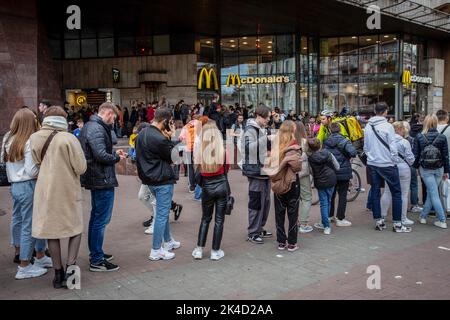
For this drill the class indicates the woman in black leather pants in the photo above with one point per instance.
(215, 188)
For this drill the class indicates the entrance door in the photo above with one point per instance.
(152, 92)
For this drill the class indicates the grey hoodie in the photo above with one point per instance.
(377, 154)
(251, 143)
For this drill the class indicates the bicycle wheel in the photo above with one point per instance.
(354, 187)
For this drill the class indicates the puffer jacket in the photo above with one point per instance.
(343, 151)
(97, 144)
(154, 157)
(283, 175)
(324, 167)
(441, 143)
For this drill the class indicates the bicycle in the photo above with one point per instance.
(354, 188)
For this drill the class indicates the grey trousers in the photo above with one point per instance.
(258, 205)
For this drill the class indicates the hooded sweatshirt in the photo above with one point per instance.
(377, 154)
(404, 149)
(254, 139)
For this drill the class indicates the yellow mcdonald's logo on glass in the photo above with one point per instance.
(233, 80)
(406, 78)
(209, 76)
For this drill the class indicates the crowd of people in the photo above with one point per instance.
(51, 154)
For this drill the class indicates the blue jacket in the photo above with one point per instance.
(343, 151)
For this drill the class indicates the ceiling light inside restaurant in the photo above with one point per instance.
(231, 40)
(245, 43)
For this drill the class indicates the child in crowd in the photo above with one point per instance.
(80, 125)
(324, 166)
(132, 142)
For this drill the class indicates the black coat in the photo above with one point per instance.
(154, 157)
(343, 151)
(323, 169)
(97, 144)
(441, 143)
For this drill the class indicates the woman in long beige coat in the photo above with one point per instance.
(57, 210)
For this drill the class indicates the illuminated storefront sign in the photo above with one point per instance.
(408, 79)
(81, 100)
(237, 80)
(209, 76)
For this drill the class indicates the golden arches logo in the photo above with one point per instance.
(406, 78)
(233, 80)
(81, 100)
(208, 75)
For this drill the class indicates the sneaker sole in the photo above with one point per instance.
(255, 242)
(33, 276)
(102, 270)
(160, 258)
(197, 258)
(340, 225)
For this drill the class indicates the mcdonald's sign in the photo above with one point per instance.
(209, 76)
(233, 80)
(408, 79)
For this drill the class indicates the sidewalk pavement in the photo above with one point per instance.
(413, 266)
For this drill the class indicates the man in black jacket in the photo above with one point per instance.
(100, 178)
(154, 163)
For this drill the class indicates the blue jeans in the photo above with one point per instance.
(198, 193)
(102, 202)
(163, 195)
(369, 200)
(432, 179)
(325, 196)
(391, 176)
(21, 222)
(414, 186)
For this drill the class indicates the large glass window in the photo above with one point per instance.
(161, 44)
(72, 49)
(89, 48)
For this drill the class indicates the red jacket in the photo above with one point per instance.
(150, 114)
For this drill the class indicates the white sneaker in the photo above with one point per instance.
(416, 209)
(44, 262)
(161, 254)
(217, 255)
(343, 223)
(408, 222)
(440, 224)
(172, 245)
(30, 271)
(319, 226)
(327, 231)
(305, 229)
(423, 221)
(149, 230)
(197, 253)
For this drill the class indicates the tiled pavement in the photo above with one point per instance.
(326, 267)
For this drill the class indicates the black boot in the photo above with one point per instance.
(58, 280)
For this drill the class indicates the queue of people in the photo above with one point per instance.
(283, 162)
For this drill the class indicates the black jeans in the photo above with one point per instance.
(288, 202)
(341, 189)
(214, 194)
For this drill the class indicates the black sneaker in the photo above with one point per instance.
(401, 229)
(103, 266)
(266, 234)
(448, 217)
(177, 211)
(148, 222)
(108, 257)
(256, 239)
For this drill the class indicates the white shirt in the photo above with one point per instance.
(23, 170)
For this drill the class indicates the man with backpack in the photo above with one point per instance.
(382, 156)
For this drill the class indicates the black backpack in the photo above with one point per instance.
(430, 157)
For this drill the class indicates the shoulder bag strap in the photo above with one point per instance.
(385, 144)
(47, 143)
(445, 129)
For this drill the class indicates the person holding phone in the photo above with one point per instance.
(154, 163)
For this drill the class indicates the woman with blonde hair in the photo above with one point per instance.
(283, 167)
(210, 156)
(22, 173)
(406, 160)
(431, 153)
(58, 211)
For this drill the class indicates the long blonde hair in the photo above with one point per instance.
(212, 153)
(23, 125)
(430, 122)
(285, 137)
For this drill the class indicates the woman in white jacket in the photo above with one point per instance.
(22, 173)
(305, 180)
(406, 159)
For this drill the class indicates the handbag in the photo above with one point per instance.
(230, 199)
(3, 176)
